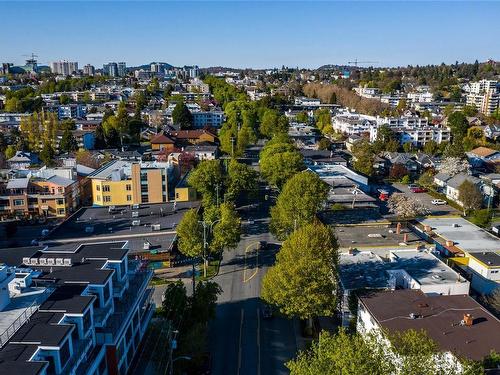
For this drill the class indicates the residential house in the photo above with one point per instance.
(454, 322)
(202, 152)
(185, 137)
(162, 141)
(23, 160)
(454, 183)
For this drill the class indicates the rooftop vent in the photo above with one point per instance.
(136, 223)
(468, 320)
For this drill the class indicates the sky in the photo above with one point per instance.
(250, 34)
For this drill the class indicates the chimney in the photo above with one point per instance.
(449, 243)
(405, 237)
(427, 228)
(398, 228)
(468, 320)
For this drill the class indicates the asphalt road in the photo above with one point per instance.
(241, 342)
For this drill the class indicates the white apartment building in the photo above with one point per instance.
(484, 95)
(307, 102)
(420, 97)
(353, 123)
(368, 92)
(64, 68)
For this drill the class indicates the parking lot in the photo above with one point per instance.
(426, 200)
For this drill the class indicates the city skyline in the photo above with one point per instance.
(303, 34)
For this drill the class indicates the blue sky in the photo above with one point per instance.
(251, 34)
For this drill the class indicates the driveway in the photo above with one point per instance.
(426, 200)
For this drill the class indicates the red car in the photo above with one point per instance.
(418, 189)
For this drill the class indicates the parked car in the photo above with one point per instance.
(418, 189)
(438, 202)
(412, 186)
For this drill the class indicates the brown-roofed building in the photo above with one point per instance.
(483, 152)
(162, 141)
(194, 136)
(457, 323)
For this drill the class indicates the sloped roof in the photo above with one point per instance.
(18, 183)
(483, 151)
(161, 138)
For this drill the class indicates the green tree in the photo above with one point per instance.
(190, 234)
(64, 99)
(182, 116)
(279, 161)
(431, 147)
(10, 151)
(458, 125)
(241, 178)
(302, 117)
(12, 105)
(470, 196)
(426, 180)
(339, 354)
(47, 154)
(175, 301)
(226, 233)
(303, 281)
(323, 120)
(301, 198)
(364, 157)
(207, 178)
(100, 138)
(68, 142)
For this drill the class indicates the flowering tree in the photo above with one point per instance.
(406, 207)
(453, 165)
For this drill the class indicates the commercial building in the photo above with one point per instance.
(64, 68)
(72, 309)
(122, 182)
(122, 69)
(110, 69)
(396, 269)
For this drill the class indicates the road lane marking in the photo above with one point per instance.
(239, 344)
(258, 341)
(245, 279)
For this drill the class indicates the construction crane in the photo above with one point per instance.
(356, 62)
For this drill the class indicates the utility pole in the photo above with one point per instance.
(232, 146)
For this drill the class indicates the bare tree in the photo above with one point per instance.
(470, 196)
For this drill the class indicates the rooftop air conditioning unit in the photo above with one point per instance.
(43, 261)
(89, 229)
(136, 206)
(34, 261)
(156, 227)
(136, 223)
(59, 262)
(146, 245)
(51, 261)
(26, 260)
(67, 262)
(135, 213)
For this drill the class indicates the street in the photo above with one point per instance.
(241, 342)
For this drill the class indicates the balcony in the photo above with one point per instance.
(124, 306)
(80, 350)
(102, 314)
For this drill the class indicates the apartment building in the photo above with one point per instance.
(46, 192)
(88, 70)
(64, 68)
(353, 123)
(73, 309)
(484, 95)
(123, 182)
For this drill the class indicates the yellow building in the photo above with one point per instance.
(184, 192)
(122, 182)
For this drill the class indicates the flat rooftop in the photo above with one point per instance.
(490, 259)
(19, 304)
(440, 317)
(373, 236)
(119, 224)
(367, 269)
(466, 236)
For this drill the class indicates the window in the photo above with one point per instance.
(60, 202)
(105, 188)
(18, 202)
(107, 198)
(98, 198)
(60, 211)
(129, 198)
(64, 353)
(98, 187)
(128, 187)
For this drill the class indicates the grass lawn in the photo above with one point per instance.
(212, 270)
